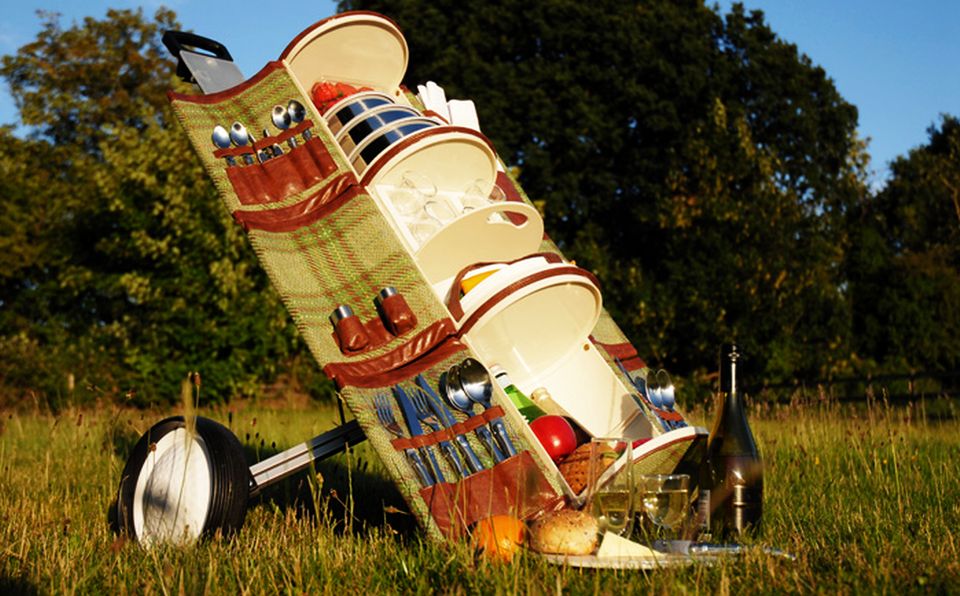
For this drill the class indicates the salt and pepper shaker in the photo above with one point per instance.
(349, 329)
(394, 311)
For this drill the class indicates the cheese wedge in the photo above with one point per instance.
(615, 546)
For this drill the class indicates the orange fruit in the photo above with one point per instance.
(499, 537)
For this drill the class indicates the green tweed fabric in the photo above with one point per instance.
(345, 258)
(661, 462)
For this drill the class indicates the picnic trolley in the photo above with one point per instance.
(393, 304)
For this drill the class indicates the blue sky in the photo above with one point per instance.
(896, 61)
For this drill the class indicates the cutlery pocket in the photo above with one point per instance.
(515, 486)
(282, 176)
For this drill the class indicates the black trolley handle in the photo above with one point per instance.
(177, 41)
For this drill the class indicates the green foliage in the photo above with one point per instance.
(121, 270)
(708, 173)
(905, 274)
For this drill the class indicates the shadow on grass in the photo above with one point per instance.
(16, 585)
(352, 498)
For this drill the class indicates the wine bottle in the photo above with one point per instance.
(731, 492)
(529, 410)
(542, 398)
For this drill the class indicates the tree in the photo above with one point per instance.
(695, 161)
(905, 273)
(121, 269)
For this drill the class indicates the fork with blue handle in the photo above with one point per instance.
(381, 404)
(413, 423)
(427, 416)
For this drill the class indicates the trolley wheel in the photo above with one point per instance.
(179, 486)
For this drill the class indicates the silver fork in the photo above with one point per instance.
(426, 416)
(385, 415)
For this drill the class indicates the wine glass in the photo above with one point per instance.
(414, 191)
(610, 485)
(473, 197)
(666, 501)
(439, 210)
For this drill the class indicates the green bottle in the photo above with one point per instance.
(529, 410)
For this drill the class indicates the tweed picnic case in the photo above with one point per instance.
(326, 228)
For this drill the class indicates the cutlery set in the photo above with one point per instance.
(662, 396)
(282, 117)
(424, 412)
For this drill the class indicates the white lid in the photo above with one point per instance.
(355, 47)
(452, 158)
(482, 235)
(533, 327)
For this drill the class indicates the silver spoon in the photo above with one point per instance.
(668, 395)
(298, 114)
(241, 138)
(281, 119)
(459, 399)
(477, 384)
(473, 462)
(221, 139)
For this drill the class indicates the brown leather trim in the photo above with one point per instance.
(393, 150)
(491, 414)
(317, 206)
(532, 278)
(453, 303)
(432, 114)
(668, 415)
(286, 51)
(447, 434)
(430, 346)
(625, 352)
(510, 190)
(281, 177)
(226, 93)
(353, 330)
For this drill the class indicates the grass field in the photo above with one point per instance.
(866, 497)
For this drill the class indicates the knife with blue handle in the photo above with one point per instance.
(446, 417)
(413, 423)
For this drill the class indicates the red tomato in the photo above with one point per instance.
(555, 434)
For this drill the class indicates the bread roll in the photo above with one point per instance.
(565, 532)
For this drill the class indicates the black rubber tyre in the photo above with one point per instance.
(214, 485)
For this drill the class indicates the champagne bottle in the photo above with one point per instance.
(529, 410)
(731, 494)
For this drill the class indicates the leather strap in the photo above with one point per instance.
(432, 345)
(315, 207)
(447, 434)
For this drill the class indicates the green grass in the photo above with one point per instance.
(868, 499)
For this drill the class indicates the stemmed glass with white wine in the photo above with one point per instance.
(610, 485)
(666, 501)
